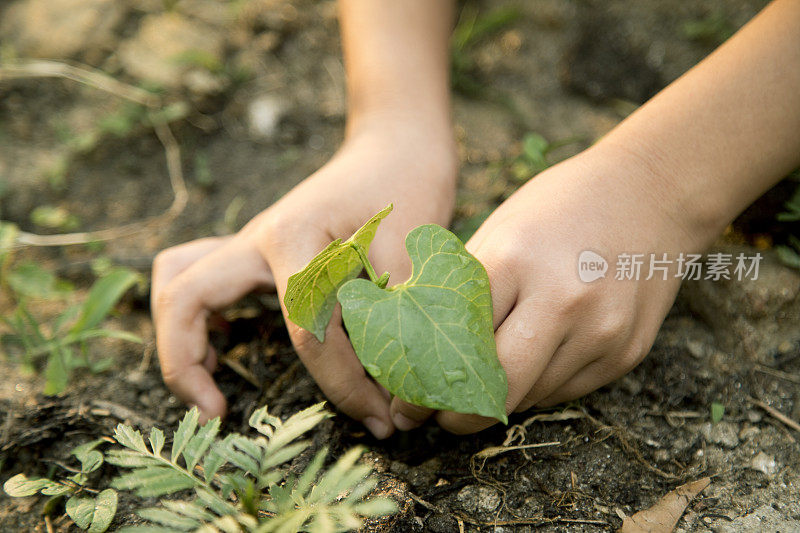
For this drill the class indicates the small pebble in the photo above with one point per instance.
(764, 463)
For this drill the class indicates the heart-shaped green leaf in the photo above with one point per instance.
(430, 340)
(311, 293)
(93, 514)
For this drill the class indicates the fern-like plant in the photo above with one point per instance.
(237, 481)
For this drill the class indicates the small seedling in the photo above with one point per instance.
(90, 509)
(713, 30)
(472, 29)
(52, 217)
(429, 340)
(238, 481)
(717, 412)
(63, 341)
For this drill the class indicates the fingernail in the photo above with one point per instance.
(377, 427)
(403, 423)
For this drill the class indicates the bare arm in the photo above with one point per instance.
(727, 130)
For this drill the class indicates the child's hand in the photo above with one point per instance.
(374, 167)
(559, 338)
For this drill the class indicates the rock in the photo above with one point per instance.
(696, 348)
(722, 433)
(764, 463)
(748, 433)
(168, 46)
(60, 29)
(764, 518)
(478, 498)
(754, 416)
(264, 116)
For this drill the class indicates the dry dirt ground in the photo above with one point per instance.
(567, 69)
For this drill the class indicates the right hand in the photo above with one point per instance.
(377, 166)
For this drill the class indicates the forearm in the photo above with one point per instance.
(396, 58)
(718, 137)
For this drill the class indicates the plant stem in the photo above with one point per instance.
(365, 261)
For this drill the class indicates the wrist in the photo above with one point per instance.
(405, 137)
(686, 202)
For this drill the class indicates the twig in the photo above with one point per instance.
(99, 80)
(775, 413)
(147, 356)
(276, 386)
(123, 413)
(537, 520)
(627, 447)
(237, 367)
(85, 75)
(777, 373)
(48, 525)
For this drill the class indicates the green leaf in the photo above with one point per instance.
(311, 293)
(717, 411)
(131, 459)
(103, 296)
(56, 374)
(295, 425)
(8, 236)
(30, 279)
(199, 444)
(213, 461)
(81, 510)
(57, 489)
(188, 508)
(105, 507)
(130, 438)
(156, 440)
(430, 340)
(184, 432)
(89, 458)
(535, 148)
(20, 486)
(90, 461)
(169, 518)
(93, 514)
(377, 507)
(788, 256)
(154, 481)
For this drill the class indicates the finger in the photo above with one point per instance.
(172, 261)
(333, 365)
(215, 281)
(593, 343)
(590, 378)
(407, 416)
(526, 341)
(601, 371)
(503, 281)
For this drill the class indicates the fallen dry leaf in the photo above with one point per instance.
(662, 517)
